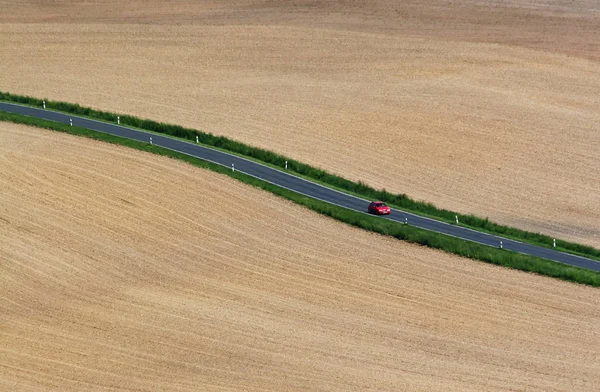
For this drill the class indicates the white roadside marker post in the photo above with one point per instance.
(554, 243)
(232, 167)
(71, 122)
(44, 102)
(150, 139)
(197, 140)
(286, 165)
(456, 216)
(119, 120)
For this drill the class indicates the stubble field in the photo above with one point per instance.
(121, 270)
(483, 107)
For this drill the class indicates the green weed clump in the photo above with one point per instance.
(401, 201)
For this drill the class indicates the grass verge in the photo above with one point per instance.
(371, 223)
(400, 201)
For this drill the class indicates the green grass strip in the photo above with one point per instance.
(364, 221)
(400, 201)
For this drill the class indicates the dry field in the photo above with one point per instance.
(485, 107)
(121, 270)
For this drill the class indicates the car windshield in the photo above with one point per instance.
(380, 205)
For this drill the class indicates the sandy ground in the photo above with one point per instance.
(482, 107)
(121, 270)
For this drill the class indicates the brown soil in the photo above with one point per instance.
(482, 107)
(121, 270)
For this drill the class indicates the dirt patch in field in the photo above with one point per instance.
(483, 107)
(127, 271)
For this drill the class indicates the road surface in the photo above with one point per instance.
(302, 186)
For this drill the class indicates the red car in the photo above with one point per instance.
(379, 208)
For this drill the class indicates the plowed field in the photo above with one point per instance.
(485, 107)
(121, 270)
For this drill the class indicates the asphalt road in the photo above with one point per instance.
(302, 186)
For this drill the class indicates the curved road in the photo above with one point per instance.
(302, 186)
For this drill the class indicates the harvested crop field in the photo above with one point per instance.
(483, 107)
(122, 270)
